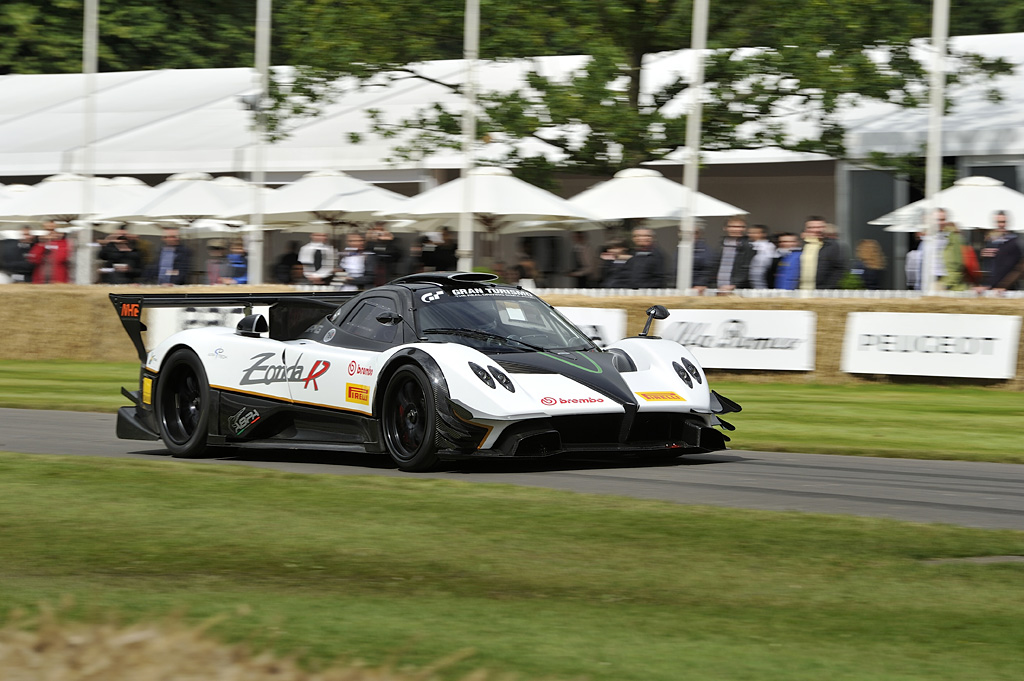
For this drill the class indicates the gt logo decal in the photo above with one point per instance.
(360, 394)
(431, 297)
(662, 397)
(130, 309)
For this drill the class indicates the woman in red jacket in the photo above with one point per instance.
(50, 256)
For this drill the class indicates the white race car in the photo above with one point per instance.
(435, 366)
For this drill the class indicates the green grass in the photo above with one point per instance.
(534, 582)
(927, 422)
(921, 422)
(68, 385)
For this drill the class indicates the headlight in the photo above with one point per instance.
(683, 374)
(692, 368)
(500, 377)
(481, 374)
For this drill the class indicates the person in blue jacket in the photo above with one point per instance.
(237, 265)
(786, 269)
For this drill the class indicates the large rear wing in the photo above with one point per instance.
(289, 313)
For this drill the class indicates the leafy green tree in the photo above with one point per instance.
(45, 36)
(814, 57)
(813, 60)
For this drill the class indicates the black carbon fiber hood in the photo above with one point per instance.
(595, 370)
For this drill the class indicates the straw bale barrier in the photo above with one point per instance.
(79, 323)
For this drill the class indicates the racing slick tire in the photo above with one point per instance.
(408, 420)
(182, 404)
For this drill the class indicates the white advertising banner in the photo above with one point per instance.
(162, 322)
(779, 340)
(603, 324)
(954, 345)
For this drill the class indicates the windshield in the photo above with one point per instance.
(497, 320)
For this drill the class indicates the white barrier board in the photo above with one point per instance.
(162, 322)
(954, 345)
(603, 324)
(778, 340)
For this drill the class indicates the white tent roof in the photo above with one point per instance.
(168, 121)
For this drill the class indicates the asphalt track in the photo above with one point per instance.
(984, 495)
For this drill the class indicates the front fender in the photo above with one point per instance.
(453, 431)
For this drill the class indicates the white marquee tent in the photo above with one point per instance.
(168, 121)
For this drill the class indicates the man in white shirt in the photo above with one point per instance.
(357, 264)
(764, 254)
(317, 258)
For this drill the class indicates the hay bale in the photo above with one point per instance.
(78, 323)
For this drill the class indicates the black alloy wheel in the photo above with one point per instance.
(183, 404)
(408, 419)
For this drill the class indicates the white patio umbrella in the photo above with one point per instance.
(7, 195)
(647, 194)
(497, 200)
(970, 203)
(188, 196)
(327, 196)
(63, 197)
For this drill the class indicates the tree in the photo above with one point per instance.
(813, 59)
(45, 36)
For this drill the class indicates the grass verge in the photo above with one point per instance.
(926, 422)
(917, 422)
(534, 582)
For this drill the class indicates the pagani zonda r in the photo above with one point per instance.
(430, 367)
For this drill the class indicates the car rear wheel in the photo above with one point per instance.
(183, 404)
(408, 419)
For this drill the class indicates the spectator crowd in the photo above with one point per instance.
(746, 257)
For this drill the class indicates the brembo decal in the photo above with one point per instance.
(549, 401)
(356, 369)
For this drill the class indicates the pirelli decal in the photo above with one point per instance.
(662, 397)
(359, 394)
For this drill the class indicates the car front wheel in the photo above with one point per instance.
(183, 404)
(408, 419)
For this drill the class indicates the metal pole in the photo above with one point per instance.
(698, 42)
(255, 269)
(90, 40)
(471, 50)
(933, 162)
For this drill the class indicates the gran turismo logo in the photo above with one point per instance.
(431, 297)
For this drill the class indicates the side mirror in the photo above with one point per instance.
(654, 312)
(252, 326)
(388, 318)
